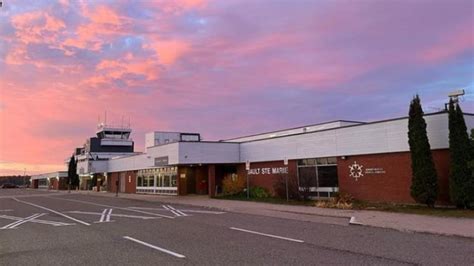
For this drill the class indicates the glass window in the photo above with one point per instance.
(173, 180)
(322, 161)
(307, 176)
(166, 180)
(139, 181)
(151, 181)
(327, 176)
(332, 160)
(159, 180)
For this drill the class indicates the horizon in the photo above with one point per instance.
(223, 69)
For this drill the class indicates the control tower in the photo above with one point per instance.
(110, 141)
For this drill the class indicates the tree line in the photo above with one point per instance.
(424, 188)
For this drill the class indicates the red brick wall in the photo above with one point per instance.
(394, 184)
(53, 183)
(111, 178)
(267, 180)
(211, 174)
(130, 181)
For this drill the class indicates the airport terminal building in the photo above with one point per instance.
(369, 160)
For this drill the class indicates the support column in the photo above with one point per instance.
(211, 175)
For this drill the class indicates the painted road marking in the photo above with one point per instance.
(155, 247)
(115, 207)
(53, 223)
(7, 210)
(202, 211)
(173, 210)
(102, 217)
(21, 221)
(115, 215)
(263, 234)
(178, 211)
(105, 217)
(195, 211)
(26, 220)
(53, 211)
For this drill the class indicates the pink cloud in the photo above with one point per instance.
(450, 45)
(103, 24)
(37, 27)
(169, 51)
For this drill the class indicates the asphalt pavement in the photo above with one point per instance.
(41, 228)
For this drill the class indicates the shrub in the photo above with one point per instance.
(259, 193)
(233, 184)
(340, 201)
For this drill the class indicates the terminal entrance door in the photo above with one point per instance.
(122, 182)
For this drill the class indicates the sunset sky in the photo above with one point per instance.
(222, 68)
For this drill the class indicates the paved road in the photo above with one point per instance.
(38, 228)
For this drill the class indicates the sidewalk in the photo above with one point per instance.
(403, 222)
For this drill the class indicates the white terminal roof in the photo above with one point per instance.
(57, 174)
(339, 138)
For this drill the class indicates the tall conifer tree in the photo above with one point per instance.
(73, 178)
(461, 180)
(424, 187)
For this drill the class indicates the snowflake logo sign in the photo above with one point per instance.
(355, 170)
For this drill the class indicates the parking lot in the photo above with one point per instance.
(56, 228)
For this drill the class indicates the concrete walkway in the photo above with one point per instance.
(403, 222)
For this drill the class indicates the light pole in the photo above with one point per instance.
(247, 167)
(285, 162)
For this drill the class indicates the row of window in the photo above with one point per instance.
(160, 180)
(318, 161)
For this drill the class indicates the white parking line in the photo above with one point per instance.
(178, 211)
(26, 220)
(53, 223)
(16, 223)
(115, 215)
(167, 207)
(102, 217)
(53, 211)
(114, 207)
(196, 211)
(263, 234)
(155, 247)
(107, 218)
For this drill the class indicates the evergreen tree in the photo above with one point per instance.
(73, 178)
(461, 181)
(424, 187)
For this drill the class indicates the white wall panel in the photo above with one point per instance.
(208, 152)
(371, 138)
